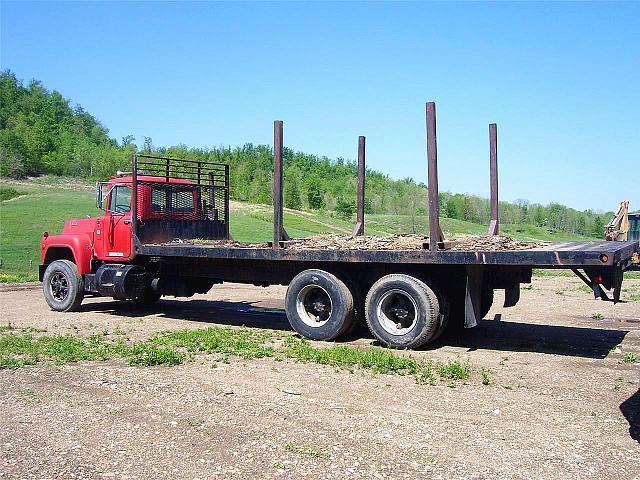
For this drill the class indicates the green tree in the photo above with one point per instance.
(598, 227)
(345, 209)
(292, 196)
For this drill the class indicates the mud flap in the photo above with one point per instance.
(473, 296)
(511, 296)
(618, 277)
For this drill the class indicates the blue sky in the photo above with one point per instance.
(561, 80)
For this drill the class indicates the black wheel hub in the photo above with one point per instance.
(59, 285)
(318, 304)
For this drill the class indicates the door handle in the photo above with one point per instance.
(127, 222)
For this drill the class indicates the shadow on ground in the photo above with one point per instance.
(630, 408)
(217, 312)
(488, 335)
(528, 337)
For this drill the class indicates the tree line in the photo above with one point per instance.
(42, 133)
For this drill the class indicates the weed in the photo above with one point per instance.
(304, 451)
(195, 423)
(631, 294)
(26, 392)
(378, 360)
(618, 383)
(529, 286)
(6, 328)
(597, 316)
(227, 341)
(33, 330)
(279, 465)
(146, 355)
(425, 375)
(454, 370)
(486, 379)
(630, 358)
(173, 348)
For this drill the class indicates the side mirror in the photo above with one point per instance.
(99, 195)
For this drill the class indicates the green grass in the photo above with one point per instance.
(19, 348)
(7, 193)
(630, 358)
(43, 208)
(18, 277)
(540, 272)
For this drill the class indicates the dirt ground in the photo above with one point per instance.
(561, 404)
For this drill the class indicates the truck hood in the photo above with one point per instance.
(81, 225)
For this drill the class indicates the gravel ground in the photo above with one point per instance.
(560, 403)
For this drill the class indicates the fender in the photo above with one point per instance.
(79, 244)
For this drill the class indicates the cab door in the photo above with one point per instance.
(116, 225)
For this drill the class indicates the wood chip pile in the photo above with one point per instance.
(488, 243)
(386, 242)
(364, 242)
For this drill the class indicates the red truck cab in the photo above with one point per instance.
(109, 237)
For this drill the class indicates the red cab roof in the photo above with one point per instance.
(149, 178)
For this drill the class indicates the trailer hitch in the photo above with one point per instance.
(596, 279)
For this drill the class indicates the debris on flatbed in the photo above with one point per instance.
(385, 242)
(492, 243)
(364, 242)
(407, 242)
(222, 243)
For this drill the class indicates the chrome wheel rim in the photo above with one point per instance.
(314, 306)
(397, 311)
(59, 286)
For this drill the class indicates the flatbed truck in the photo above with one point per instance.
(165, 231)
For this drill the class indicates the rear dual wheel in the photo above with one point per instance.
(319, 305)
(402, 311)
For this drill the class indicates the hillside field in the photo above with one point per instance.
(28, 208)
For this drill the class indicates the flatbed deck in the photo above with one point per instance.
(556, 255)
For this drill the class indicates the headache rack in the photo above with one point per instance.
(179, 199)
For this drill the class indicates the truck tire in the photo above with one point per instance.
(319, 305)
(358, 325)
(402, 311)
(63, 286)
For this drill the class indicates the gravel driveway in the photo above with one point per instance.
(560, 403)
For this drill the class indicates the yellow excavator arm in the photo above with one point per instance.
(618, 227)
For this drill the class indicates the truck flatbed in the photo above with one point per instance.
(556, 255)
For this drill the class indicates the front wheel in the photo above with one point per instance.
(63, 286)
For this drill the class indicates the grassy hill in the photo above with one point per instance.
(31, 207)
